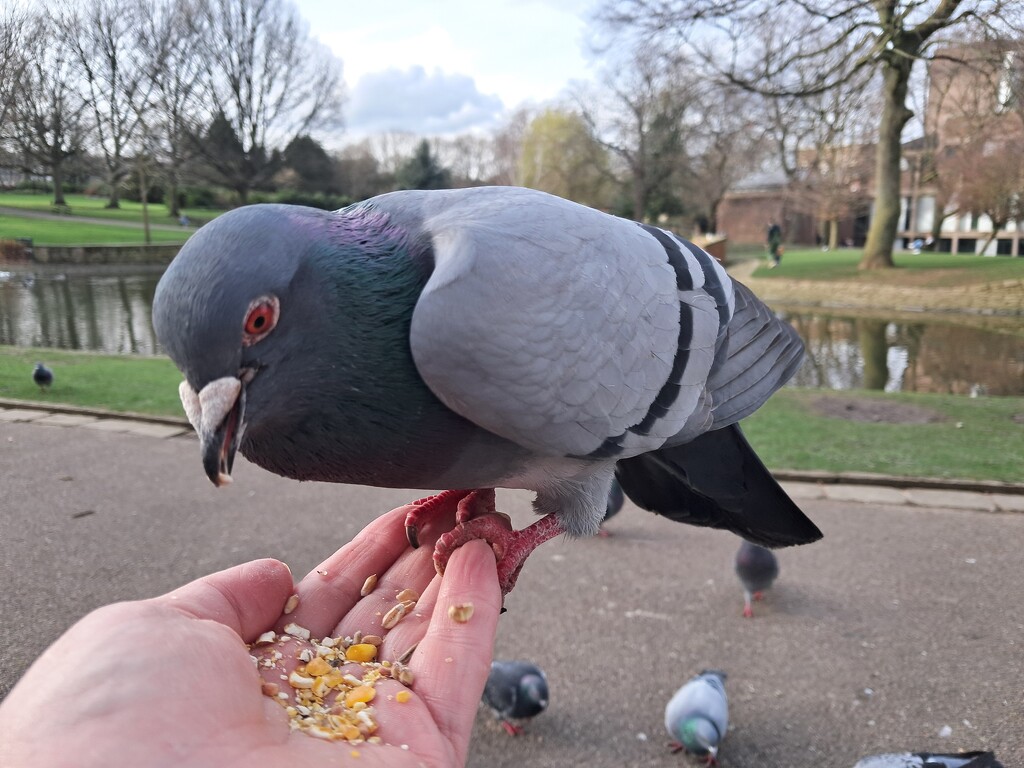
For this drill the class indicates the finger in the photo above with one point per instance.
(246, 598)
(330, 590)
(453, 659)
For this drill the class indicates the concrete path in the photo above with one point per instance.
(905, 620)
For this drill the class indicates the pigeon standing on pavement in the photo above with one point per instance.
(42, 376)
(480, 338)
(757, 569)
(930, 760)
(515, 690)
(697, 716)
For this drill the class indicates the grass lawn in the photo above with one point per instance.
(71, 232)
(93, 207)
(116, 383)
(787, 432)
(924, 270)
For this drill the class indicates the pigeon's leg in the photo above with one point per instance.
(748, 608)
(431, 506)
(510, 547)
(759, 595)
(511, 729)
(675, 747)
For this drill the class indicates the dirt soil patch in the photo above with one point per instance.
(872, 410)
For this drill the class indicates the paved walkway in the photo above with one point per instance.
(902, 624)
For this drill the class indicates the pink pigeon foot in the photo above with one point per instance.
(510, 729)
(429, 507)
(510, 547)
(748, 611)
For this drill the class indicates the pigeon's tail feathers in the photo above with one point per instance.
(758, 355)
(717, 481)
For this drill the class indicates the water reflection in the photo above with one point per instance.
(964, 356)
(103, 310)
(108, 309)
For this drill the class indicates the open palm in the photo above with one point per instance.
(170, 681)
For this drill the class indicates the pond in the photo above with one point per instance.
(109, 310)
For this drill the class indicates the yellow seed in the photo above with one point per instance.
(334, 678)
(317, 667)
(351, 733)
(368, 585)
(362, 693)
(361, 652)
(407, 595)
(402, 696)
(320, 687)
(460, 612)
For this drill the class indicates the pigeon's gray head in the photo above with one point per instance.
(699, 736)
(532, 698)
(242, 312)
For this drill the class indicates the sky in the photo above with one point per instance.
(437, 67)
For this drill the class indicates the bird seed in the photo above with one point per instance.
(460, 612)
(368, 585)
(392, 617)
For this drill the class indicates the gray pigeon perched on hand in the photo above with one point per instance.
(757, 569)
(515, 690)
(931, 760)
(697, 716)
(479, 338)
(42, 376)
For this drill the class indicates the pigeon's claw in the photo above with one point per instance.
(510, 547)
(425, 509)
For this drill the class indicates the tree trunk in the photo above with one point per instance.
(57, 168)
(114, 200)
(173, 209)
(885, 221)
(833, 234)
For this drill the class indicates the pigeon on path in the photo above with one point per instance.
(480, 338)
(515, 690)
(42, 376)
(930, 760)
(757, 569)
(697, 716)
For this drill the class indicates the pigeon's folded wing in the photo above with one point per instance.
(559, 327)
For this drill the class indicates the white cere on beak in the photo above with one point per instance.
(190, 402)
(216, 400)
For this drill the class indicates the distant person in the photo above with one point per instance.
(774, 244)
(183, 220)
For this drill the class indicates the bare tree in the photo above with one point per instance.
(104, 37)
(13, 21)
(508, 148)
(729, 141)
(47, 110)
(170, 43)
(639, 117)
(769, 47)
(268, 80)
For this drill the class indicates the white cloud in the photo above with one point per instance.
(425, 103)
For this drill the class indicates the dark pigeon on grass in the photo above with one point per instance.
(515, 690)
(42, 376)
(931, 760)
(757, 569)
(479, 338)
(697, 716)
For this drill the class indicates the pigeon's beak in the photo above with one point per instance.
(217, 414)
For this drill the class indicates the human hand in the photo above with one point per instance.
(169, 681)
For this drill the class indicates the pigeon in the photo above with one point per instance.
(616, 498)
(757, 568)
(42, 376)
(698, 714)
(515, 690)
(479, 338)
(930, 760)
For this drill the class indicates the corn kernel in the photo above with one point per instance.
(334, 678)
(351, 733)
(362, 693)
(361, 652)
(317, 667)
(402, 696)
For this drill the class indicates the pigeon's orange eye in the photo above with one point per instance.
(260, 318)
